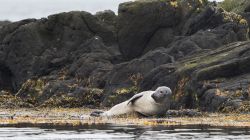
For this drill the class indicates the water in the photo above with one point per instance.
(122, 132)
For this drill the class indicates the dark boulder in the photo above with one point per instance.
(65, 50)
(208, 39)
(124, 79)
(212, 80)
(5, 78)
(247, 9)
(36, 48)
(161, 38)
(147, 25)
(108, 17)
(2, 23)
(138, 21)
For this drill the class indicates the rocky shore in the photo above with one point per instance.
(77, 117)
(77, 59)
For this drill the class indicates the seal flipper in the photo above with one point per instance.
(96, 113)
(134, 98)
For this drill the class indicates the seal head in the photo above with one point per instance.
(161, 94)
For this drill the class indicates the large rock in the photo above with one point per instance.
(138, 21)
(124, 79)
(217, 80)
(2, 23)
(208, 39)
(207, 18)
(68, 49)
(34, 48)
(108, 17)
(147, 25)
(200, 32)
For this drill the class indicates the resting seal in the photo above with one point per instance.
(147, 103)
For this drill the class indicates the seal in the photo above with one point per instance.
(147, 103)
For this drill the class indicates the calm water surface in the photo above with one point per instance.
(122, 132)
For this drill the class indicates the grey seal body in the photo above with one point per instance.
(147, 103)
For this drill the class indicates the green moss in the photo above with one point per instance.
(200, 60)
(206, 70)
(230, 5)
(188, 65)
(236, 6)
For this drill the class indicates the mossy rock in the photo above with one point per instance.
(237, 6)
(8, 100)
(89, 97)
(120, 95)
(31, 90)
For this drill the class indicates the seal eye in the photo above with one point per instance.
(161, 91)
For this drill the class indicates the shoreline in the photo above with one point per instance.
(77, 117)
